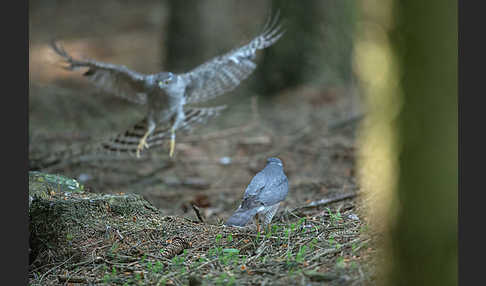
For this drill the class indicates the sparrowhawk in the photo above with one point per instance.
(165, 94)
(263, 195)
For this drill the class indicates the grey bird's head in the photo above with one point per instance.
(274, 160)
(164, 79)
(170, 83)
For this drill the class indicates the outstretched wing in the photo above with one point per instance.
(115, 79)
(127, 142)
(224, 73)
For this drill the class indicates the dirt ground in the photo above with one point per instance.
(312, 128)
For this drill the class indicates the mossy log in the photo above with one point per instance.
(69, 223)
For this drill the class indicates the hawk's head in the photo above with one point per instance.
(164, 79)
(171, 84)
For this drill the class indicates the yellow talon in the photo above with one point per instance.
(142, 144)
(172, 143)
(140, 148)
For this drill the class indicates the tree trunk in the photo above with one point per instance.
(316, 48)
(406, 59)
(185, 41)
(425, 233)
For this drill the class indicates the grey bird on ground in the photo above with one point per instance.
(263, 195)
(165, 94)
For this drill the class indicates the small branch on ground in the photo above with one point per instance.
(198, 213)
(326, 201)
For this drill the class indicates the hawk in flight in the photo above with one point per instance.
(263, 195)
(165, 94)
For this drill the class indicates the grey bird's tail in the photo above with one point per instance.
(241, 217)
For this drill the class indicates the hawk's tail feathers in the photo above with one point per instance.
(193, 116)
(127, 142)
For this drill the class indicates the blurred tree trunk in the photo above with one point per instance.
(184, 42)
(406, 59)
(316, 48)
(425, 233)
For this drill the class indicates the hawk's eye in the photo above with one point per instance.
(164, 82)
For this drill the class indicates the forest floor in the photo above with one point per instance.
(318, 235)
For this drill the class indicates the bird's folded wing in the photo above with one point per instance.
(115, 79)
(275, 191)
(256, 186)
(224, 73)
